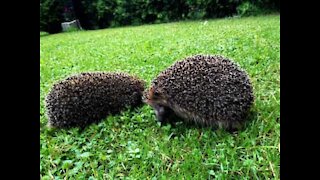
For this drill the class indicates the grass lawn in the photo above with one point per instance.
(132, 145)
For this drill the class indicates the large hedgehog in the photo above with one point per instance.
(85, 98)
(203, 89)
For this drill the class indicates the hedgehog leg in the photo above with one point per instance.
(161, 113)
(234, 126)
(81, 129)
(171, 119)
(164, 115)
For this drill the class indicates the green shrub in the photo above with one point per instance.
(51, 15)
(254, 7)
(247, 9)
(98, 14)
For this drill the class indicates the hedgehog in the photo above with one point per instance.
(89, 97)
(206, 90)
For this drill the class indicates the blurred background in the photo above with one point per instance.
(99, 14)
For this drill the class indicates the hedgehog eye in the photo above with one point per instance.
(156, 93)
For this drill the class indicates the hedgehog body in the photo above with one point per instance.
(203, 89)
(86, 98)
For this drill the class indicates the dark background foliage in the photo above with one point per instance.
(98, 14)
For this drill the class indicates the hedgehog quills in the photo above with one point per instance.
(85, 98)
(203, 89)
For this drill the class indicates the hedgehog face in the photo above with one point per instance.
(157, 100)
(155, 96)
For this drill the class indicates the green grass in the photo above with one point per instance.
(132, 145)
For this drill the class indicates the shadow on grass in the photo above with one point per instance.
(44, 128)
(181, 127)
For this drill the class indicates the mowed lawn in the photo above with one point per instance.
(132, 145)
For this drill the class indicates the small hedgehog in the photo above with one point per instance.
(86, 98)
(202, 89)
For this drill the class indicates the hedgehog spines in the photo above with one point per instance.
(86, 98)
(208, 90)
